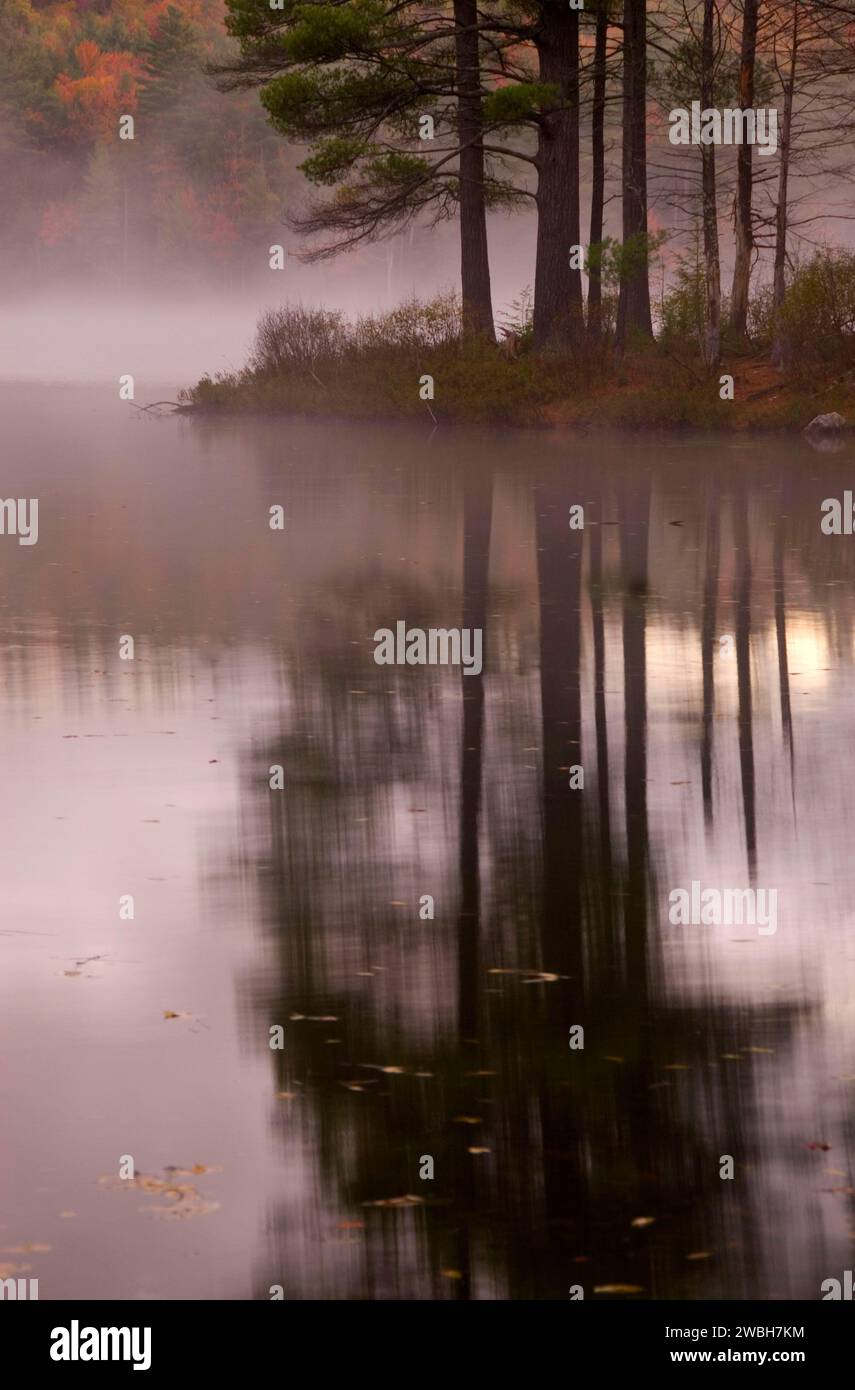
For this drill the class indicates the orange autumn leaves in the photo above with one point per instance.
(106, 90)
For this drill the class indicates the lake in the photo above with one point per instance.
(690, 650)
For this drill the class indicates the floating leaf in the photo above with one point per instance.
(182, 1201)
(190, 1172)
(408, 1200)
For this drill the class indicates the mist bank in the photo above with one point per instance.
(77, 327)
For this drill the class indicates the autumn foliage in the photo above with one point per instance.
(203, 176)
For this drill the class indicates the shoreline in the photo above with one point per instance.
(649, 389)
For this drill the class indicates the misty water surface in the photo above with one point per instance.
(722, 761)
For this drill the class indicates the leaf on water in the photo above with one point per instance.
(191, 1018)
(190, 1172)
(185, 1211)
(642, 1221)
(182, 1200)
(618, 1288)
(408, 1200)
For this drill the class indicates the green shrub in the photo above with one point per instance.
(294, 337)
(682, 311)
(818, 314)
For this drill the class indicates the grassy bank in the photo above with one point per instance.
(313, 362)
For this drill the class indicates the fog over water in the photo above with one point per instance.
(82, 329)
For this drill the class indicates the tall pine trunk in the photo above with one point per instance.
(745, 177)
(474, 258)
(598, 171)
(558, 318)
(779, 279)
(710, 202)
(634, 302)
